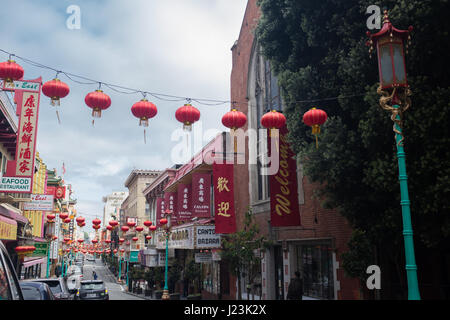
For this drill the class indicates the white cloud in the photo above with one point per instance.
(179, 47)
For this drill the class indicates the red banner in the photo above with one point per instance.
(284, 207)
(170, 202)
(159, 210)
(225, 216)
(201, 195)
(184, 204)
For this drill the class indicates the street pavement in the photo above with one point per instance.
(116, 291)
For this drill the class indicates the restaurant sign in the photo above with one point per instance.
(39, 202)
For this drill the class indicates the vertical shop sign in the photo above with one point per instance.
(159, 210)
(170, 201)
(284, 207)
(225, 217)
(184, 202)
(201, 194)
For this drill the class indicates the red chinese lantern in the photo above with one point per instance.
(51, 217)
(163, 221)
(234, 119)
(96, 227)
(139, 228)
(121, 240)
(147, 223)
(273, 120)
(67, 220)
(125, 229)
(80, 240)
(83, 224)
(148, 237)
(109, 228)
(94, 241)
(135, 239)
(315, 118)
(107, 241)
(113, 223)
(187, 115)
(152, 228)
(66, 239)
(68, 250)
(131, 224)
(144, 110)
(10, 71)
(55, 237)
(55, 89)
(79, 220)
(98, 101)
(63, 215)
(122, 250)
(115, 250)
(96, 221)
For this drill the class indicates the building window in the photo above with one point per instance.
(316, 265)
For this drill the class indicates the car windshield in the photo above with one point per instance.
(74, 270)
(92, 286)
(31, 293)
(55, 286)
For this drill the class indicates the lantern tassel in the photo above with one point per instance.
(57, 115)
(145, 139)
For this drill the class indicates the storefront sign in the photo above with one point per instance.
(224, 198)
(203, 257)
(180, 238)
(201, 191)
(184, 202)
(206, 237)
(39, 202)
(284, 205)
(159, 210)
(8, 229)
(170, 202)
(21, 85)
(134, 256)
(15, 184)
(41, 249)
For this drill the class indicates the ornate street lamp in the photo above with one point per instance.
(395, 93)
(165, 222)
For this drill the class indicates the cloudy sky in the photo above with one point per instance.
(175, 47)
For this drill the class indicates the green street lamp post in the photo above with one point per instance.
(395, 93)
(165, 221)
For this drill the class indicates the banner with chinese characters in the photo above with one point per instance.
(170, 202)
(225, 218)
(284, 207)
(26, 135)
(201, 194)
(159, 210)
(184, 205)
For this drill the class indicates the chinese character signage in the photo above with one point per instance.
(201, 191)
(225, 217)
(170, 202)
(26, 135)
(159, 210)
(184, 202)
(284, 205)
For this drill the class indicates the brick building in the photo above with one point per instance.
(314, 248)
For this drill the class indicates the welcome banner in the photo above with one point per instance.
(284, 207)
(225, 217)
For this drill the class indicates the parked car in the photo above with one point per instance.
(36, 291)
(92, 290)
(90, 258)
(59, 288)
(9, 283)
(74, 277)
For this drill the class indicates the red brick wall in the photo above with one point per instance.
(330, 223)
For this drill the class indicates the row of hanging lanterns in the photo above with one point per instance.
(144, 110)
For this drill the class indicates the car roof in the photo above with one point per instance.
(91, 281)
(46, 280)
(32, 283)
